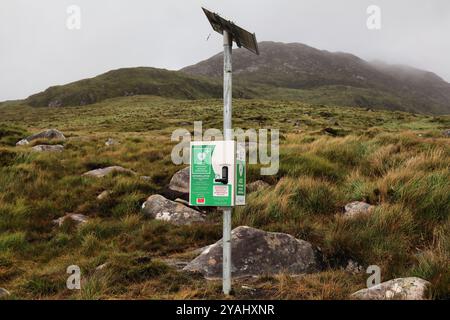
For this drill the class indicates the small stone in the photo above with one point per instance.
(356, 208)
(446, 133)
(100, 173)
(160, 208)
(48, 148)
(248, 288)
(23, 142)
(353, 267)
(398, 289)
(102, 266)
(76, 217)
(111, 142)
(103, 195)
(146, 178)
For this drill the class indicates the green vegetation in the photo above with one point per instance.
(397, 161)
(127, 82)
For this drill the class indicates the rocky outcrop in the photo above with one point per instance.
(256, 186)
(48, 148)
(180, 181)
(398, 289)
(51, 134)
(257, 252)
(160, 208)
(76, 217)
(100, 173)
(357, 208)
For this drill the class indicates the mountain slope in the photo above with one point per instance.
(297, 66)
(127, 82)
(282, 72)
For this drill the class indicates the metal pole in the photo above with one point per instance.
(227, 111)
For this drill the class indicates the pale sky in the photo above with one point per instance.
(37, 50)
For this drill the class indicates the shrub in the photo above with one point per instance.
(308, 164)
(384, 238)
(13, 241)
(314, 197)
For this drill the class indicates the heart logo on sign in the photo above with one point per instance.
(201, 156)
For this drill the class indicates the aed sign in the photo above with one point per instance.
(217, 174)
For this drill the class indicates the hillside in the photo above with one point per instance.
(282, 72)
(127, 82)
(298, 66)
(397, 162)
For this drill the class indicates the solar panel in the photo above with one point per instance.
(242, 37)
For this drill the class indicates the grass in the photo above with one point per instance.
(398, 162)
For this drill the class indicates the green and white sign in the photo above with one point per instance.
(217, 175)
(240, 174)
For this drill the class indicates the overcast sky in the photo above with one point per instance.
(38, 50)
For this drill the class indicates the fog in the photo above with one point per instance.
(39, 49)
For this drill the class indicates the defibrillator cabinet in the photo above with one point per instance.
(217, 174)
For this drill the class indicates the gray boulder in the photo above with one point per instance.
(356, 208)
(51, 134)
(398, 289)
(180, 181)
(48, 148)
(4, 293)
(76, 217)
(160, 208)
(446, 133)
(255, 253)
(100, 173)
(257, 185)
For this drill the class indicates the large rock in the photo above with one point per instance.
(48, 148)
(51, 134)
(398, 289)
(100, 173)
(256, 252)
(75, 217)
(256, 186)
(356, 208)
(180, 181)
(164, 209)
(446, 133)
(4, 293)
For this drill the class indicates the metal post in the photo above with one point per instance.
(227, 111)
